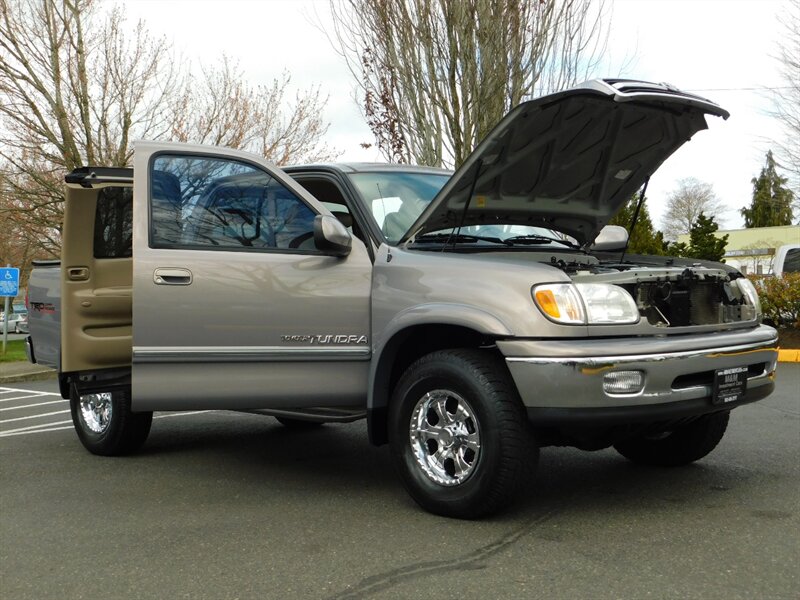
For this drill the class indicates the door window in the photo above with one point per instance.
(113, 223)
(792, 262)
(215, 203)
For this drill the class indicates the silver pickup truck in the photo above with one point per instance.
(471, 318)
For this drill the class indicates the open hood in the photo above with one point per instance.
(570, 160)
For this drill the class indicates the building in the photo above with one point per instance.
(752, 250)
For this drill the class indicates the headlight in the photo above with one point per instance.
(560, 302)
(607, 303)
(749, 292)
(585, 303)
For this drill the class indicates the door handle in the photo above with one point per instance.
(172, 276)
(78, 273)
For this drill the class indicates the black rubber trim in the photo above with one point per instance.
(639, 414)
(86, 176)
(50, 263)
(101, 380)
(376, 425)
(63, 386)
(29, 349)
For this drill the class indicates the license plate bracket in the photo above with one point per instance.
(730, 385)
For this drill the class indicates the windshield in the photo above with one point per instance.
(792, 262)
(396, 199)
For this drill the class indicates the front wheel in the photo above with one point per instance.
(679, 445)
(459, 436)
(105, 423)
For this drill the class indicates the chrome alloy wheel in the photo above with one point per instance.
(96, 411)
(445, 438)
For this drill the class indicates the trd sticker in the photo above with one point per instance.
(43, 307)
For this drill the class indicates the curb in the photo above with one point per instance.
(789, 355)
(32, 375)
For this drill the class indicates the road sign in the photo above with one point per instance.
(9, 282)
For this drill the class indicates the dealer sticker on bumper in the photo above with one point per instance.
(730, 385)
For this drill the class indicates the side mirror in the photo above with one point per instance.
(610, 238)
(331, 236)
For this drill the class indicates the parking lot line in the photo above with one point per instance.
(57, 412)
(40, 427)
(14, 432)
(6, 390)
(24, 397)
(32, 405)
(62, 425)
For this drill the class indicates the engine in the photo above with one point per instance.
(676, 296)
(689, 300)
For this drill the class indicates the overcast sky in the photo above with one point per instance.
(721, 49)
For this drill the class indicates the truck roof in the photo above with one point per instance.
(361, 167)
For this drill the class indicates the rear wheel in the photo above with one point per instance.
(678, 445)
(459, 436)
(105, 423)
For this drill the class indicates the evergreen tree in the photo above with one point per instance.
(772, 200)
(703, 243)
(644, 239)
(677, 249)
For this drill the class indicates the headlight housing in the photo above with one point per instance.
(585, 303)
(749, 292)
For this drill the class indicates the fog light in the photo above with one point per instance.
(623, 382)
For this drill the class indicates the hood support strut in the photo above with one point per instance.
(634, 219)
(478, 166)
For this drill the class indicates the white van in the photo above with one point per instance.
(787, 260)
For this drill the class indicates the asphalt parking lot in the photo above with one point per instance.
(228, 505)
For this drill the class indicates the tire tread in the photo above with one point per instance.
(518, 458)
(687, 443)
(126, 434)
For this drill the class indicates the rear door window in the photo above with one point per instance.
(113, 223)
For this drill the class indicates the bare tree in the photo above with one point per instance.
(787, 98)
(222, 109)
(436, 75)
(18, 243)
(685, 204)
(73, 88)
(77, 85)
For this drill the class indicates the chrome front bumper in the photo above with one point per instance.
(568, 374)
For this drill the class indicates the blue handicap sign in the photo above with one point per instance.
(9, 282)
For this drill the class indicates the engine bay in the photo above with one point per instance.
(670, 296)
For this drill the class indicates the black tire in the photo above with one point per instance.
(298, 423)
(678, 446)
(120, 433)
(473, 387)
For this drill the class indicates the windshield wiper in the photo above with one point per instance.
(535, 238)
(451, 238)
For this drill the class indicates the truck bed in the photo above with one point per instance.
(44, 313)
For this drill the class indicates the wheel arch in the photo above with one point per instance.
(409, 340)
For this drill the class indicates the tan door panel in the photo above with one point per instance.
(96, 298)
